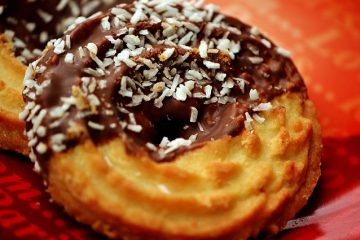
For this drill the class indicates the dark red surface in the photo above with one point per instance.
(324, 36)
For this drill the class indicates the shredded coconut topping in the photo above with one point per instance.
(159, 52)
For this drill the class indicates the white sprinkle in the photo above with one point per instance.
(58, 147)
(220, 76)
(248, 121)
(44, 37)
(132, 118)
(132, 40)
(33, 142)
(46, 17)
(23, 115)
(59, 47)
(175, 82)
(224, 44)
(151, 146)
(158, 102)
(164, 142)
(81, 52)
(41, 131)
(134, 128)
(9, 34)
(37, 167)
(256, 60)
(190, 86)
(121, 12)
(211, 65)
(166, 54)
(183, 58)
(193, 75)
(224, 91)
(213, 50)
(124, 57)
(68, 41)
(266, 42)
(138, 15)
(61, 5)
(186, 39)
(283, 52)
(41, 148)
(262, 107)
(253, 49)
(144, 32)
(151, 73)
(181, 93)
(93, 49)
(258, 118)
(218, 18)
(254, 31)
(105, 23)
(201, 128)
(93, 100)
(96, 126)
(177, 143)
(115, 42)
(102, 84)
(193, 115)
(203, 48)
(30, 26)
(208, 90)
(253, 94)
(69, 58)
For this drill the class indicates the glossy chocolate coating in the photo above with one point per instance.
(274, 76)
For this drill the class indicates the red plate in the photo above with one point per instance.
(324, 37)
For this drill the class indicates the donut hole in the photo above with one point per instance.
(170, 129)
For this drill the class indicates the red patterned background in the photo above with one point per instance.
(324, 37)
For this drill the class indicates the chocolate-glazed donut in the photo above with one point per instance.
(162, 84)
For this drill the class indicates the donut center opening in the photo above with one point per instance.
(170, 129)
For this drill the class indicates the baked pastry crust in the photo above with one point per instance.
(11, 103)
(231, 188)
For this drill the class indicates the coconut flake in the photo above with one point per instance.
(69, 58)
(283, 52)
(211, 65)
(257, 118)
(134, 128)
(203, 48)
(193, 115)
(166, 54)
(262, 107)
(254, 95)
(96, 126)
(256, 60)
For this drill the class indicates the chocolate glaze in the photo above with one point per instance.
(273, 77)
(18, 13)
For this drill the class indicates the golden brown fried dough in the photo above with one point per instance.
(232, 187)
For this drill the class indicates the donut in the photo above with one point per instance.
(169, 120)
(25, 28)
